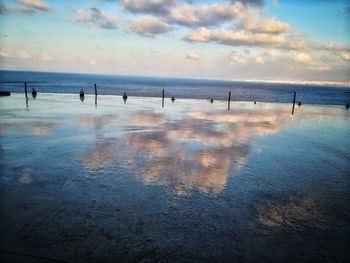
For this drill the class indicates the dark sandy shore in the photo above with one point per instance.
(192, 182)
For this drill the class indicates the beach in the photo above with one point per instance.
(188, 182)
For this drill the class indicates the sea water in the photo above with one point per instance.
(180, 88)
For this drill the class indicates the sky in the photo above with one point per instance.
(277, 40)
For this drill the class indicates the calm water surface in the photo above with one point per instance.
(187, 182)
(45, 82)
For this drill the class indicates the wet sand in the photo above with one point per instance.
(187, 182)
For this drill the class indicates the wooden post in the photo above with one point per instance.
(229, 101)
(25, 89)
(163, 98)
(294, 102)
(95, 95)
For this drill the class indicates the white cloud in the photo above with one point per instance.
(205, 15)
(304, 59)
(272, 53)
(47, 57)
(147, 6)
(291, 59)
(259, 60)
(16, 9)
(237, 58)
(339, 50)
(295, 58)
(344, 55)
(25, 6)
(15, 54)
(92, 61)
(35, 4)
(300, 57)
(149, 26)
(96, 18)
(242, 38)
(271, 26)
(193, 56)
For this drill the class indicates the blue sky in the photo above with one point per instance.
(243, 40)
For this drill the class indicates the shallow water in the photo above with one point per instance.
(187, 182)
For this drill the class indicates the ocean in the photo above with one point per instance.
(45, 82)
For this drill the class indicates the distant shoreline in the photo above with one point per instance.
(306, 83)
(345, 84)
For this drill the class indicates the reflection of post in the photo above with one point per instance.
(229, 101)
(294, 102)
(25, 89)
(95, 95)
(163, 99)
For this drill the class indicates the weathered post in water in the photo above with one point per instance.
(25, 92)
(229, 101)
(163, 98)
(295, 94)
(95, 95)
(25, 89)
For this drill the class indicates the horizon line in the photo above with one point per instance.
(275, 81)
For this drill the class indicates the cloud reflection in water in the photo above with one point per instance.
(197, 152)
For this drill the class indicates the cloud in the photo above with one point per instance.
(275, 2)
(18, 9)
(339, 50)
(259, 60)
(35, 4)
(47, 57)
(193, 56)
(242, 38)
(149, 26)
(300, 57)
(15, 54)
(237, 58)
(250, 2)
(295, 58)
(94, 17)
(25, 6)
(205, 15)
(344, 55)
(92, 61)
(271, 53)
(271, 26)
(147, 6)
